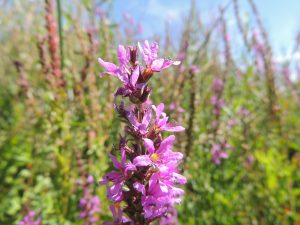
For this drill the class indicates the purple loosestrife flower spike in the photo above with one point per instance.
(89, 204)
(145, 177)
(30, 219)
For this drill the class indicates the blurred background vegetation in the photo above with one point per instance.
(57, 121)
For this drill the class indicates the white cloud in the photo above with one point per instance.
(288, 57)
(166, 12)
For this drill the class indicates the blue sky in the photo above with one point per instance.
(281, 17)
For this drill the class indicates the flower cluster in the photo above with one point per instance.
(89, 204)
(218, 152)
(143, 184)
(30, 219)
(218, 149)
(216, 101)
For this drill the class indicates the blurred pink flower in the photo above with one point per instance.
(30, 219)
(217, 85)
(218, 154)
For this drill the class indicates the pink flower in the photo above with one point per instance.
(218, 154)
(114, 70)
(161, 121)
(90, 206)
(141, 128)
(149, 53)
(161, 156)
(118, 217)
(217, 85)
(217, 102)
(118, 177)
(162, 193)
(176, 108)
(30, 219)
(243, 112)
(194, 69)
(170, 218)
(232, 123)
(146, 177)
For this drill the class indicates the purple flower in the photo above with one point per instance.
(170, 217)
(118, 217)
(232, 123)
(161, 122)
(161, 156)
(89, 204)
(218, 104)
(128, 73)
(243, 112)
(194, 69)
(118, 178)
(175, 108)
(123, 57)
(215, 101)
(217, 85)
(30, 219)
(218, 154)
(142, 127)
(146, 177)
(90, 179)
(130, 83)
(161, 192)
(149, 53)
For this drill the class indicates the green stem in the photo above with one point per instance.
(60, 30)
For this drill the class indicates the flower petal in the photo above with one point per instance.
(149, 145)
(132, 119)
(223, 155)
(142, 160)
(149, 52)
(170, 127)
(166, 144)
(122, 55)
(115, 192)
(158, 110)
(163, 187)
(173, 156)
(147, 118)
(116, 163)
(139, 187)
(111, 68)
(157, 65)
(129, 167)
(167, 64)
(179, 178)
(135, 75)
